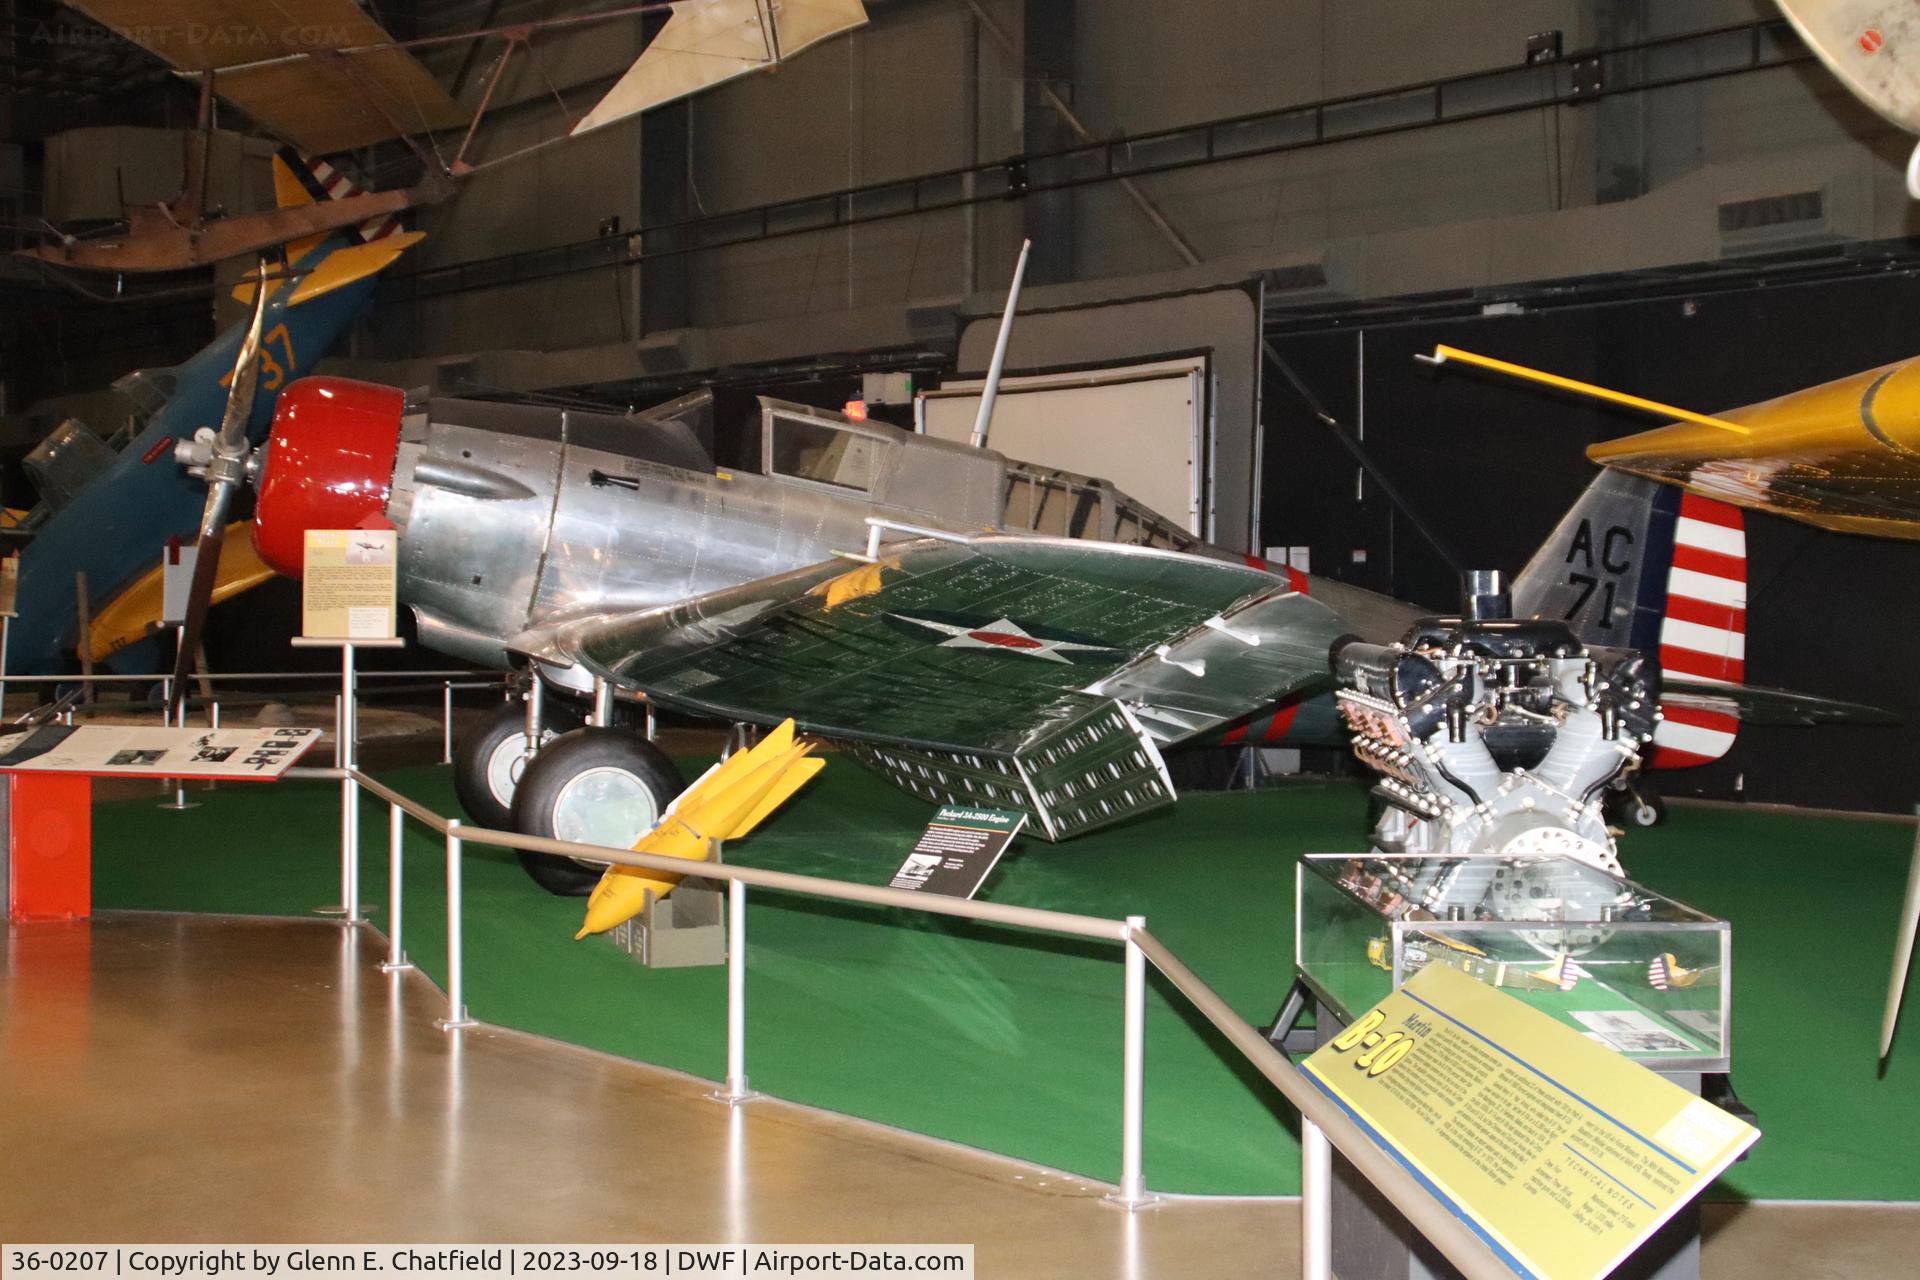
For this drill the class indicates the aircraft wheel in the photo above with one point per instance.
(1637, 807)
(595, 786)
(493, 756)
(1647, 811)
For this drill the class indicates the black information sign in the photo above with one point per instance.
(957, 850)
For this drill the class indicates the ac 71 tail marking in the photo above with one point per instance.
(1615, 556)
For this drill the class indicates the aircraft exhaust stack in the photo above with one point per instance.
(1485, 595)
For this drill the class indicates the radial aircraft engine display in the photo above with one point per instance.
(1496, 737)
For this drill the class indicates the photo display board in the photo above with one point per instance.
(155, 752)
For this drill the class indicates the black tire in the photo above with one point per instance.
(1647, 810)
(474, 779)
(1636, 806)
(559, 765)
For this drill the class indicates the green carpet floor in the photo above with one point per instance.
(1009, 1041)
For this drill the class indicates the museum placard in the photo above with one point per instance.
(349, 584)
(957, 850)
(156, 751)
(1561, 1154)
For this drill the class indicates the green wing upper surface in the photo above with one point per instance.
(974, 645)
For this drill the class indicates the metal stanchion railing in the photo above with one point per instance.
(1323, 1121)
(175, 719)
(373, 786)
(1316, 1203)
(456, 978)
(736, 1090)
(349, 789)
(396, 842)
(1432, 1219)
(1035, 918)
(216, 677)
(1132, 1192)
(346, 760)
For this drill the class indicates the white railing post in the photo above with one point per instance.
(350, 790)
(396, 837)
(172, 720)
(1316, 1203)
(1132, 1192)
(736, 1090)
(345, 731)
(456, 980)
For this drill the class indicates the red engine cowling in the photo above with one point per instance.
(329, 465)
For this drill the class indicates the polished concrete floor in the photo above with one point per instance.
(194, 1078)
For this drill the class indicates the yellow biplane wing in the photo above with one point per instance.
(263, 54)
(134, 614)
(1844, 455)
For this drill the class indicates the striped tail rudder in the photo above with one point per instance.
(1703, 635)
(315, 180)
(1644, 566)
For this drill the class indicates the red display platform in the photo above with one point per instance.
(49, 833)
(49, 770)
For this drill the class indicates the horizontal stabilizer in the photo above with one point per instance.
(338, 269)
(1756, 704)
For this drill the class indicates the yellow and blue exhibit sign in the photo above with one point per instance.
(1562, 1155)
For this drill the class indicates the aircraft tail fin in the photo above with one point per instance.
(1645, 566)
(329, 260)
(303, 180)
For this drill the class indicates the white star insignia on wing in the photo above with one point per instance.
(1005, 635)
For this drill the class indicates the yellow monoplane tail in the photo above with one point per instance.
(728, 801)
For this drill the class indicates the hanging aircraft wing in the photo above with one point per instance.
(1038, 674)
(707, 42)
(360, 90)
(1844, 455)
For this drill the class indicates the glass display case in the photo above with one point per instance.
(1618, 962)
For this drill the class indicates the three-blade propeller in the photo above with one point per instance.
(222, 457)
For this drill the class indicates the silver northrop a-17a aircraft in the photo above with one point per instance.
(976, 629)
(972, 627)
